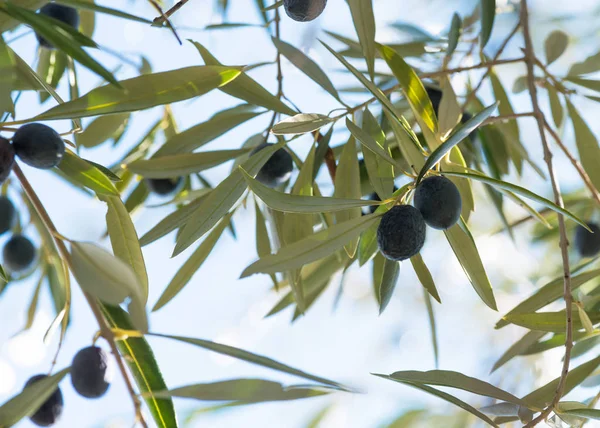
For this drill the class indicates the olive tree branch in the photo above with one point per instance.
(584, 176)
(530, 62)
(105, 330)
(165, 15)
(494, 61)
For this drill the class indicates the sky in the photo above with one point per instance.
(345, 344)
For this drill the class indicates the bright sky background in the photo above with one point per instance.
(345, 345)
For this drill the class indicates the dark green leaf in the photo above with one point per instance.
(424, 276)
(144, 368)
(488, 13)
(454, 34)
(587, 145)
(389, 279)
(555, 45)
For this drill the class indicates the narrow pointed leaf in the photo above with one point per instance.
(191, 266)
(364, 23)
(246, 88)
(587, 145)
(313, 248)
(27, 402)
(306, 65)
(124, 240)
(412, 87)
(389, 279)
(424, 276)
(86, 174)
(142, 92)
(369, 142)
(142, 364)
(518, 347)
(301, 204)
(488, 13)
(555, 322)
(462, 133)
(520, 191)
(301, 124)
(456, 380)
(183, 164)
(219, 201)
(454, 34)
(244, 391)
(446, 397)
(203, 133)
(249, 357)
(464, 248)
(544, 395)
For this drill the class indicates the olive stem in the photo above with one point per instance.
(530, 62)
(105, 330)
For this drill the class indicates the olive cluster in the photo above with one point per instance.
(90, 376)
(38, 146)
(437, 204)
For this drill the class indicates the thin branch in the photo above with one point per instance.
(276, 21)
(507, 117)
(165, 18)
(166, 15)
(575, 162)
(473, 93)
(487, 64)
(105, 330)
(530, 62)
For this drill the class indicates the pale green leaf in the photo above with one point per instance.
(246, 88)
(145, 91)
(203, 133)
(27, 402)
(380, 172)
(301, 124)
(518, 190)
(412, 87)
(221, 199)
(446, 397)
(243, 391)
(85, 174)
(124, 240)
(364, 23)
(102, 129)
(306, 65)
(249, 357)
(299, 203)
(555, 322)
(462, 133)
(313, 248)
(183, 164)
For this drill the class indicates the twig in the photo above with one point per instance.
(574, 161)
(564, 242)
(165, 15)
(507, 117)
(105, 330)
(165, 19)
(473, 93)
(487, 64)
(276, 21)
